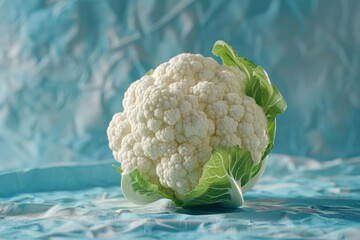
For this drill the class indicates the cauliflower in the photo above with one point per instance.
(175, 117)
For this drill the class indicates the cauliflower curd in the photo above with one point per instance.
(174, 118)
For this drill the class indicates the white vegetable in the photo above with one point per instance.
(176, 118)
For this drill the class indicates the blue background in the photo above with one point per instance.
(65, 65)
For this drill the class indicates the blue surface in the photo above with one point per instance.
(296, 198)
(64, 67)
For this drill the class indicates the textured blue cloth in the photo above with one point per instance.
(296, 198)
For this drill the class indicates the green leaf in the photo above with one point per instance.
(229, 57)
(258, 84)
(140, 191)
(221, 179)
(271, 130)
(255, 175)
(149, 72)
(119, 169)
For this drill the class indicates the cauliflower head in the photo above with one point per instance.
(174, 117)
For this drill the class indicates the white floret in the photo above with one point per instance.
(252, 129)
(173, 118)
(119, 127)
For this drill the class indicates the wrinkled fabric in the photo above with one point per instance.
(65, 65)
(296, 198)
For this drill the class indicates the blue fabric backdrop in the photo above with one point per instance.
(66, 64)
(64, 67)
